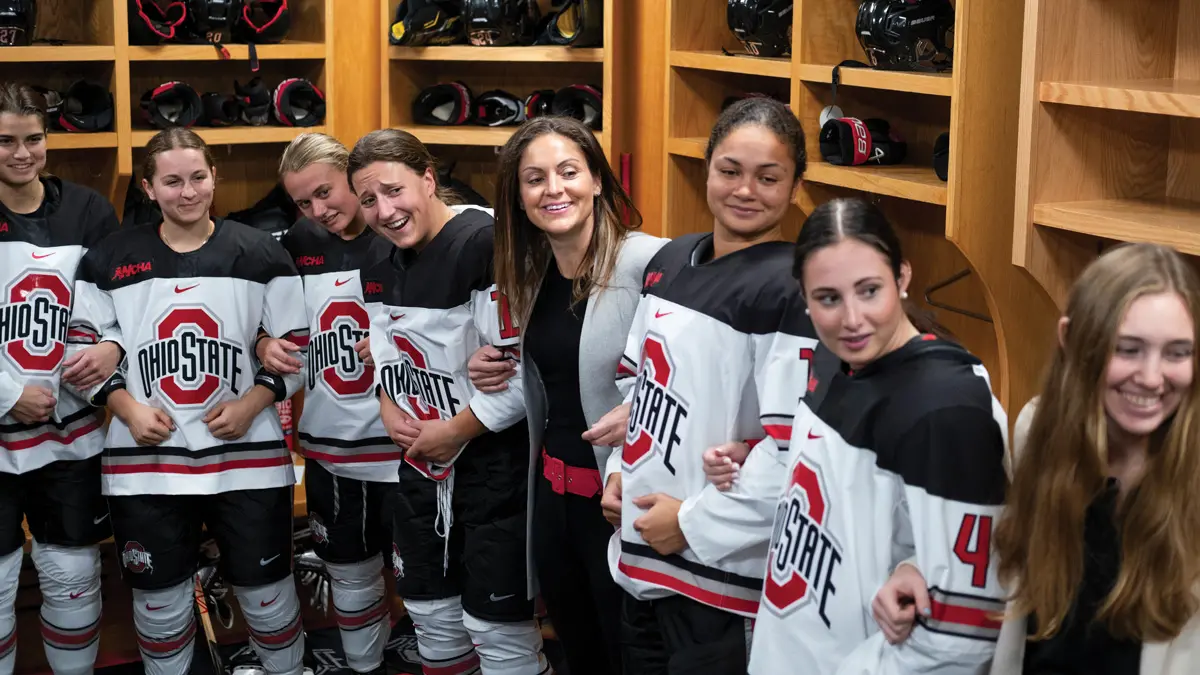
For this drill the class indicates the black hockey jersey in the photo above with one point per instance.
(723, 351)
(39, 257)
(340, 426)
(430, 312)
(902, 462)
(188, 323)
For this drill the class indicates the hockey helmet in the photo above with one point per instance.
(86, 107)
(496, 23)
(172, 104)
(907, 34)
(18, 19)
(220, 110)
(581, 101)
(420, 23)
(443, 105)
(298, 103)
(578, 23)
(262, 21)
(539, 103)
(255, 98)
(764, 27)
(498, 108)
(53, 107)
(152, 22)
(210, 20)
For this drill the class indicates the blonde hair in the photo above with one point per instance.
(1063, 468)
(313, 148)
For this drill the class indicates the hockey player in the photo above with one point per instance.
(719, 344)
(50, 435)
(460, 545)
(901, 466)
(195, 440)
(352, 467)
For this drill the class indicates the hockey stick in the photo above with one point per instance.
(205, 616)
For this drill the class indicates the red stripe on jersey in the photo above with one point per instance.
(354, 459)
(159, 467)
(965, 616)
(49, 437)
(623, 369)
(694, 592)
(780, 432)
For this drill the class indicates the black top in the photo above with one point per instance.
(1084, 646)
(552, 343)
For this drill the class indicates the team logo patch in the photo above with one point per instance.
(397, 563)
(804, 553)
(332, 361)
(316, 526)
(190, 359)
(430, 393)
(136, 558)
(657, 411)
(34, 320)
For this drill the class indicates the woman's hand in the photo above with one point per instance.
(490, 369)
(275, 354)
(896, 604)
(610, 501)
(722, 463)
(610, 429)
(148, 425)
(89, 367)
(363, 349)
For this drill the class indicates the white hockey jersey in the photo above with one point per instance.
(340, 426)
(723, 351)
(188, 323)
(39, 258)
(430, 311)
(902, 461)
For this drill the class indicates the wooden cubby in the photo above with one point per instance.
(947, 227)
(1110, 133)
(519, 70)
(98, 49)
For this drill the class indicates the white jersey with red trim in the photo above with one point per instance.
(340, 426)
(188, 323)
(723, 351)
(39, 258)
(902, 462)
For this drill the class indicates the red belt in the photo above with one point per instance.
(570, 479)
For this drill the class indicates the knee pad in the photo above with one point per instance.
(358, 593)
(442, 640)
(70, 583)
(272, 613)
(165, 621)
(67, 573)
(507, 648)
(10, 573)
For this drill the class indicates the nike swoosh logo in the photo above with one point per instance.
(155, 609)
(185, 290)
(264, 562)
(76, 596)
(812, 436)
(659, 315)
(97, 521)
(494, 598)
(396, 317)
(343, 282)
(44, 255)
(268, 603)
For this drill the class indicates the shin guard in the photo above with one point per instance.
(166, 626)
(443, 642)
(70, 583)
(272, 613)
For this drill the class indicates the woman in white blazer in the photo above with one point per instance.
(570, 262)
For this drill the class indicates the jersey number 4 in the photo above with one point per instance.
(978, 528)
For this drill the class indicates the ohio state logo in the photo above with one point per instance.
(429, 393)
(657, 412)
(136, 558)
(331, 356)
(189, 360)
(316, 526)
(34, 321)
(397, 562)
(804, 554)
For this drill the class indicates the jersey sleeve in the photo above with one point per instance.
(284, 317)
(738, 522)
(93, 320)
(492, 318)
(10, 393)
(952, 465)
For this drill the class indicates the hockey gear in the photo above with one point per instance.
(150, 24)
(540, 102)
(256, 101)
(498, 108)
(360, 604)
(262, 22)
(442, 641)
(70, 581)
(507, 647)
(849, 141)
(54, 103)
(498, 23)
(165, 622)
(444, 105)
(272, 614)
(86, 107)
(173, 104)
(298, 103)
(220, 110)
(581, 101)
(578, 23)
(764, 27)
(422, 23)
(907, 34)
(10, 574)
(18, 19)
(209, 21)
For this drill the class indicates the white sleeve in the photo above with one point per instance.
(10, 393)
(93, 319)
(284, 317)
(490, 313)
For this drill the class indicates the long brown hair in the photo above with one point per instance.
(1063, 465)
(522, 250)
(23, 101)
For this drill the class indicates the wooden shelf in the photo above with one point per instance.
(284, 50)
(44, 53)
(1173, 222)
(745, 65)
(235, 135)
(933, 84)
(917, 183)
(1178, 98)
(687, 147)
(497, 54)
(466, 135)
(78, 141)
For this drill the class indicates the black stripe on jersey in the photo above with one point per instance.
(341, 443)
(74, 215)
(315, 251)
(141, 451)
(138, 254)
(693, 567)
(17, 427)
(751, 290)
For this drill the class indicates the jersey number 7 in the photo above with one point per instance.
(980, 557)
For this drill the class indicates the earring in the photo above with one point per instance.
(903, 295)
(806, 312)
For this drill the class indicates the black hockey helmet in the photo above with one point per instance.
(764, 27)
(53, 107)
(578, 23)
(220, 110)
(907, 34)
(18, 19)
(86, 107)
(539, 103)
(498, 108)
(255, 99)
(496, 23)
(262, 21)
(420, 23)
(210, 20)
(581, 101)
(172, 104)
(447, 104)
(298, 103)
(152, 22)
